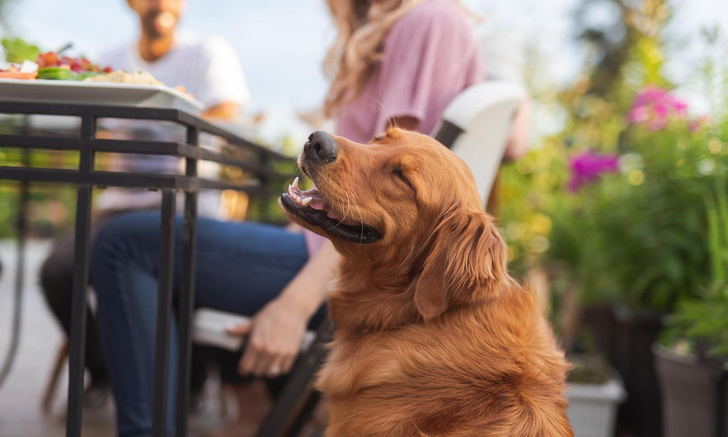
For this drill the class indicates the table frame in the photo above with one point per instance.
(260, 165)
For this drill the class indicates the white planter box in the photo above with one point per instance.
(593, 408)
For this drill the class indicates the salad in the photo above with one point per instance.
(26, 61)
(54, 67)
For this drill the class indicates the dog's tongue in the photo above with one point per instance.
(334, 215)
(317, 202)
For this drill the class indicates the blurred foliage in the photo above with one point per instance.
(638, 237)
(701, 324)
(624, 56)
(266, 208)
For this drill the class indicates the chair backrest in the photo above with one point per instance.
(476, 126)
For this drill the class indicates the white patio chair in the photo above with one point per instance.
(476, 126)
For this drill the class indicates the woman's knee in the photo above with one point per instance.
(124, 238)
(128, 228)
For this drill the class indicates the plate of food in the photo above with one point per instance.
(97, 93)
(62, 79)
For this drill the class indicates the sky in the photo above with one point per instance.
(281, 43)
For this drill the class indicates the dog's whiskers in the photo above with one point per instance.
(346, 213)
(361, 218)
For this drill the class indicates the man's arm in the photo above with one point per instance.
(222, 111)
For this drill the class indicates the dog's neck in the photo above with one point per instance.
(372, 297)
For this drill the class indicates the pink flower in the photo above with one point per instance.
(638, 115)
(654, 107)
(589, 167)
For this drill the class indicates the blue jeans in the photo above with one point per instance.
(240, 268)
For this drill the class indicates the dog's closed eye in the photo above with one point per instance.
(400, 174)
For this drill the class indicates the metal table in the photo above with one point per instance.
(260, 163)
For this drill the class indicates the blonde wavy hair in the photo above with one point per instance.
(362, 26)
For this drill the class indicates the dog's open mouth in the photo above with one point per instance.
(310, 207)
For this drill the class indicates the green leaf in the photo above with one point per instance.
(17, 50)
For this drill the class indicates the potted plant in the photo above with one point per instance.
(692, 358)
(595, 390)
(693, 372)
(636, 244)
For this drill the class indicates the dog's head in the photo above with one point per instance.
(406, 201)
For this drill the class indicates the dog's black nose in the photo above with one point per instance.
(320, 147)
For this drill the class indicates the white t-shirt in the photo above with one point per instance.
(208, 68)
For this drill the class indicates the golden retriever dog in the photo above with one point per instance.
(433, 337)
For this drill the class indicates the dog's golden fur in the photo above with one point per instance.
(433, 337)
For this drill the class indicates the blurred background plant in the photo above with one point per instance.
(612, 207)
(700, 325)
(624, 55)
(614, 200)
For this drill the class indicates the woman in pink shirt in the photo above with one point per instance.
(394, 62)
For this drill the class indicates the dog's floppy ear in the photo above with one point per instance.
(465, 255)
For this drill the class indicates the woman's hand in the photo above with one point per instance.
(275, 337)
(277, 330)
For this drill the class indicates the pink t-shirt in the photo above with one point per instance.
(429, 56)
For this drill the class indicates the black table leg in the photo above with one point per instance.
(164, 314)
(21, 227)
(78, 311)
(187, 294)
(82, 251)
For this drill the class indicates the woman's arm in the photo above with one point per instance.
(276, 331)
(520, 133)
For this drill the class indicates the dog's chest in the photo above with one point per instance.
(356, 365)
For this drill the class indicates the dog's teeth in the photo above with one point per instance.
(295, 182)
(306, 201)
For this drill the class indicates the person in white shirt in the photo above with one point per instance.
(208, 69)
